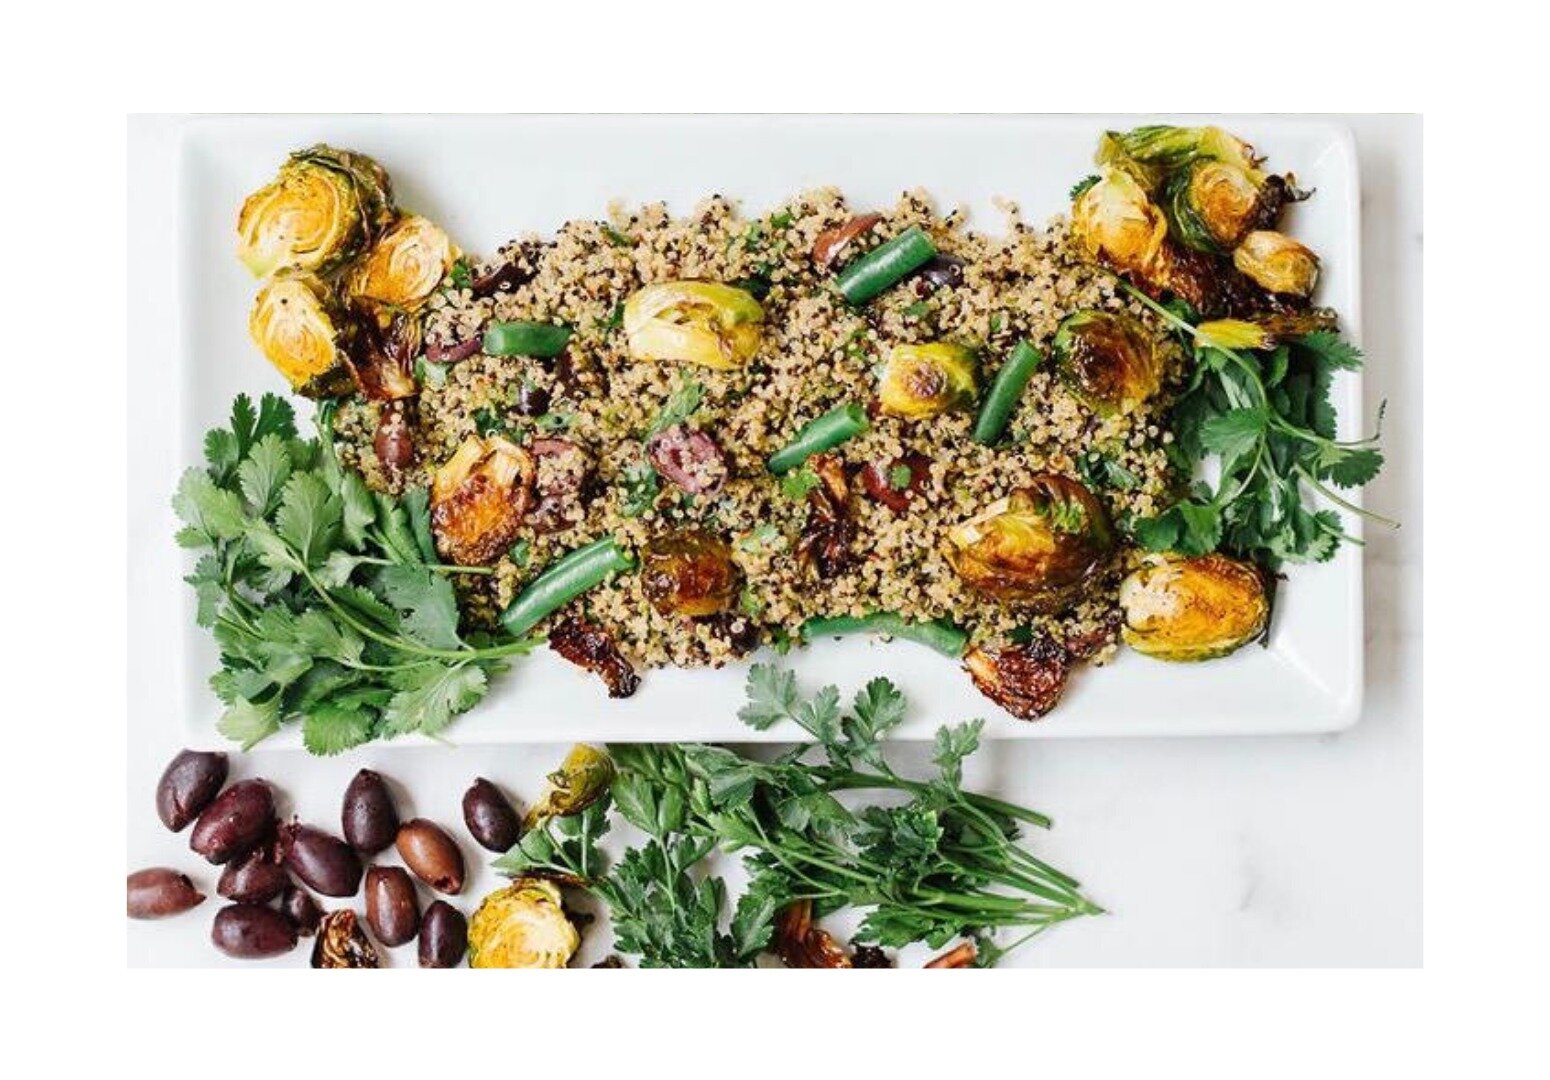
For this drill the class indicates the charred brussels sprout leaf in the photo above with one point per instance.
(1108, 360)
(1184, 609)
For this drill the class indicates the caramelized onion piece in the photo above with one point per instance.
(589, 646)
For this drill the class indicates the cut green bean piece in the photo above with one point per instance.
(525, 339)
(885, 265)
(565, 579)
(824, 433)
(939, 634)
(1005, 392)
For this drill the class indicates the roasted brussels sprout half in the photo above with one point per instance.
(1035, 548)
(689, 573)
(1277, 263)
(478, 498)
(1198, 608)
(1118, 223)
(927, 380)
(297, 326)
(1025, 679)
(522, 926)
(1211, 205)
(405, 265)
(320, 210)
(1151, 152)
(696, 322)
(1107, 359)
(582, 778)
(381, 354)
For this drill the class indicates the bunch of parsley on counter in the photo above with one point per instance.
(327, 601)
(932, 863)
(1261, 408)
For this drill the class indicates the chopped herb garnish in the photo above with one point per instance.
(430, 374)
(765, 536)
(781, 219)
(1080, 187)
(899, 477)
(551, 422)
(918, 310)
(489, 422)
(796, 484)
(683, 403)
(640, 486)
(520, 552)
(616, 238)
(461, 275)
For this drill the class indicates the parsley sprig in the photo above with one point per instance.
(327, 600)
(1265, 415)
(933, 863)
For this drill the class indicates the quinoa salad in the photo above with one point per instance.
(654, 440)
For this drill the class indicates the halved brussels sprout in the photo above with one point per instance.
(1277, 263)
(1211, 204)
(405, 265)
(1116, 221)
(522, 926)
(928, 380)
(582, 778)
(324, 205)
(478, 498)
(697, 322)
(1199, 608)
(1107, 359)
(1149, 153)
(1035, 548)
(689, 573)
(295, 323)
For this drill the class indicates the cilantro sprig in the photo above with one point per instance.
(932, 863)
(327, 601)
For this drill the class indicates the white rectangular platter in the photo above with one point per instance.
(489, 178)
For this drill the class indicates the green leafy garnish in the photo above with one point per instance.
(796, 484)
(461, 275)
(681, 404)
(639, 486)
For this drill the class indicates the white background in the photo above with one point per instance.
(1240, 851)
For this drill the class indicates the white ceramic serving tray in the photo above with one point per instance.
(488, 178)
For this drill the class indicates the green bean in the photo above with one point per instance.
(825, 433)
(885, 265)
(939, 634)
(564, 580)
(1004, 393)
(525, 339)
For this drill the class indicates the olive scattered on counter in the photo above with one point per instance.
(187, 785)
(252, 932)
(254, 878)
(432, 855)
(322, 861)
(443, 936)
(237, 821)
(369, 818)
(392, 909)
(297, 905)
(158, 891)
(490, 818)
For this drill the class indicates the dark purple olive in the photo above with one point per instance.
(502, 278)
(689, 459)
(255, 878)
(322, 861)
(532, 400)
(239, 819)
(943, 272)
(187, 785)
(433, 855)
(451, 354)
(158, 892)
(369, 819)
(443, 936)
(297, 905)
(392, 908)
(394, 441)
(490, 818)
(251, 932)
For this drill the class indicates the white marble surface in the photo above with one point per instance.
(1231, 852)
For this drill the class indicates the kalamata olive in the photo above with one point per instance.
(562, 468)
(831, 243)
(443, 936)
(943, 272)
(489, 817)
(158, 892)
(297, 905)
(689, 459)
(252, 931)
(504, 277)
(451, 354)
(433, 855)
(237, 821)
(532, 400)
(322, 861)
(254, 878)
(894, 483)
(394, 440)
(369, 819)
(187, 785)
(392, 909)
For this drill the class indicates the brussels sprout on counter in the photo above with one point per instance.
(522, 926)
(478, 498)
(921, 381)
(1108, 360)
(1187, 609)
(297, 326)
(406, 264)
(582, 779)
(1277, 263)
(321, 209)
(689, 574)
(1118, 224)
(696, 322)
(1036, 547)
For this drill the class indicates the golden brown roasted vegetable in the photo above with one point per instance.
(582, 778)
(927, 380)
(324, 205)
(1107, 359)
(689, 573)
(1035, 548)
(1117, 222)
(1154, 151)
(478, 498)
(1026, 680)
(1277, 263)
(697, 322)
(341, 943)
(522, 926)
(405, 265)
(1211, 204)
(826, 546)
(589, 646)
(1199, 608)
(298, 327)
(381, 355)
(962, 955)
